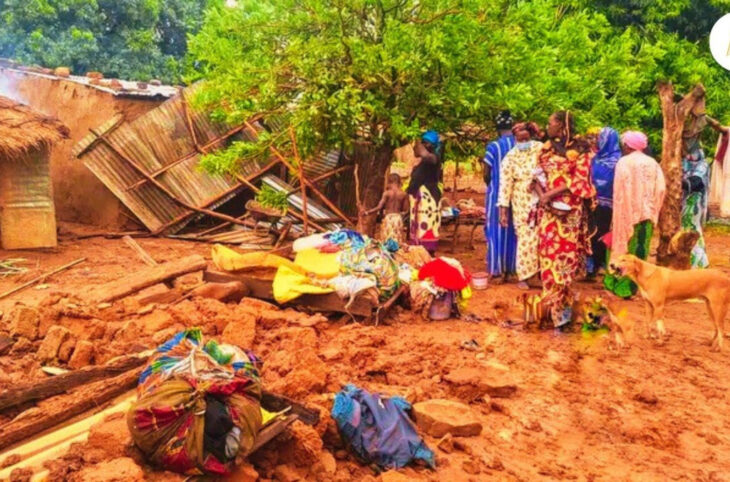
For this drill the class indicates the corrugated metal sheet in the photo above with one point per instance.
(28, 218)
(160, 143)
(315, 210)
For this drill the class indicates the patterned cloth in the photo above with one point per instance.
(501, 242)
(638, 246)
(371, 260)
(167, 422)
(694, 208)
(638, 195)
(516, 191)
(425, 219)
(720, 184)
(563, 239)
(393, 228)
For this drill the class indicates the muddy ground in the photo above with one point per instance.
(583, 410)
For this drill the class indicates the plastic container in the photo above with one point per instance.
(479, 281)
(441, 307)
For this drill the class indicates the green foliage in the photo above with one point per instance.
(135, 39)
(268, 197)
(393, 68)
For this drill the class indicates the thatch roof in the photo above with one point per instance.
(23, 129)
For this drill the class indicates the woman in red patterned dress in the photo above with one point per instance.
(565, 162)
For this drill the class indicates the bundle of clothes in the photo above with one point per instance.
(440, 288)
(198, 405)
(378, 429)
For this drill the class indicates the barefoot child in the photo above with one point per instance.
(394, 205)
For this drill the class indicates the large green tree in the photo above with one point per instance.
(338, 71)
(136, 39)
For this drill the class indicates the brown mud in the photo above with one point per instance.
(583, 409)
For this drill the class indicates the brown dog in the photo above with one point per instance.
(659, 285)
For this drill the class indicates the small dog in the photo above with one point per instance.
(659, 285)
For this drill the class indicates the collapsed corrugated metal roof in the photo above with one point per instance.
(151, 163)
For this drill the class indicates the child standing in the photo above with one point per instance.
(394, 206)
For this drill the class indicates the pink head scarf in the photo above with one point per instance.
(635, 140)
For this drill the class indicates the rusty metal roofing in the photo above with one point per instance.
(161, 144)
(114, 87)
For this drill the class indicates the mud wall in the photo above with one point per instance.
(79, 196)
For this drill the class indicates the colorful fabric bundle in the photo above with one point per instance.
(197, 405)
(378, 429)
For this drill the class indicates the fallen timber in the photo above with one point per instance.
(145, 278)
(63, 383)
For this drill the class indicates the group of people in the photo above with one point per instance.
(560, 206)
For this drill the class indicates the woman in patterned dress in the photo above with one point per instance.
(566, 163)
(425, 193)
(516, 190)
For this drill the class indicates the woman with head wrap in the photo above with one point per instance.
(501, 240)
(565, 164)
(638, 194)
(603, 169)
(516, 191)
(424, 192)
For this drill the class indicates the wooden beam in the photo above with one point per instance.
(327, 175)
(41, 277)
(144, 255)
(49, 387)
(145, 278)
(65, 407)
(314, 189)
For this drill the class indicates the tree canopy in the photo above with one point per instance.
(395, 67)
(135, 39)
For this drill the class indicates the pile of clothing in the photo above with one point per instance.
(378, 429)
(443, 280)
(343, 261)
(198, 405)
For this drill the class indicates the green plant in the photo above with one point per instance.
(271, 198)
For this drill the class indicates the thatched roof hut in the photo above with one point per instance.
(28, 216)
(22, 129)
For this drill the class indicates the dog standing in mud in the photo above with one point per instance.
(659, 285)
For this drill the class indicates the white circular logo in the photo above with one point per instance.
(720, 41)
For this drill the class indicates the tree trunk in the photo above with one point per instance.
(674, 115)
(373, 162)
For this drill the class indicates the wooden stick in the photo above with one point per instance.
(65, 407)
(42, 277)
(189, 121)
(161, 186)
(49, 387)
(327, 175)
(144, 255)
(145, 278)
(316, 191)
(360, 223)
(303, 187)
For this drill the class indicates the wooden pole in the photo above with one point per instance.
(313, 188)
(360, 224)
(42, 277)
(145, 278)
(303, 187)
(49, 387)
(65, 407)
(144, 255)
